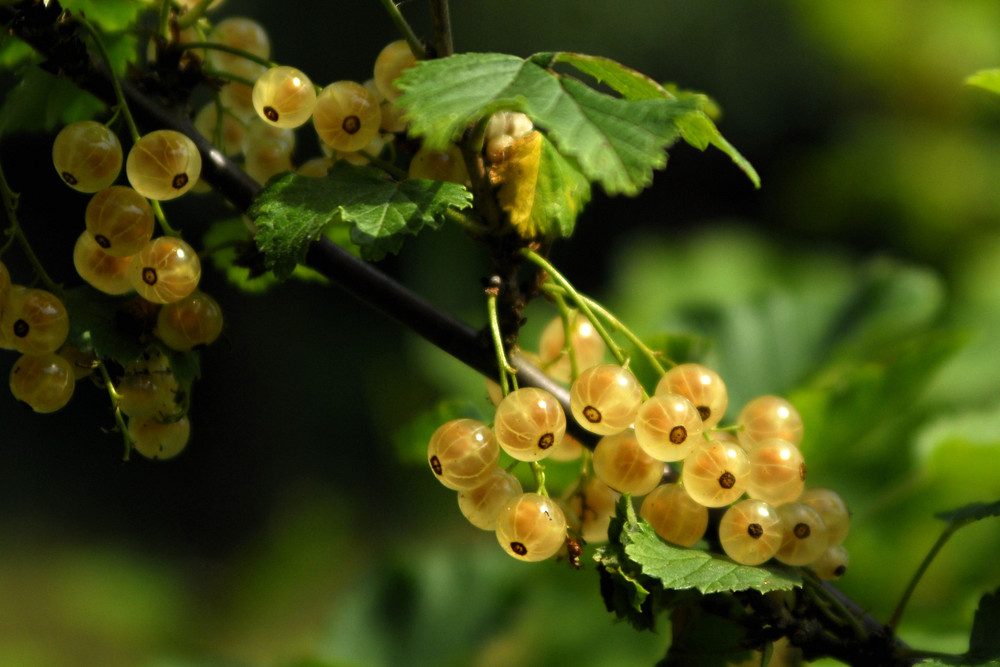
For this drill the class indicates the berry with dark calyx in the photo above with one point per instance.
(751, 532)
(167, 269)
(159, 440)
(804, 538)
(700, 385)
(769, 417)
(347, 116)
(34, 321)
(103, 272)
(284, 97)
(832, 564)
(163, 164)
(120, 220)
(529, 422)
(623, 465)
(531, 527)
(674, 515)
(463, 453)
(777, 471)
(481, 504)
(87, 156)
(668, 426)
(831, 507)
(715, 473)
(43, 382)
(605, 399)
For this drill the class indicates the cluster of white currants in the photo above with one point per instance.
(757, 457)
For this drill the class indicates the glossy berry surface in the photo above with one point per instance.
(751, 532)
(529, 422)
(480, 505)
(284, 97)
(44, 382)
(240, 33)
(769, 417)
(700, 385)
(588, 346)
(605, 399)
(227, 136)
(167, 269)
(804, 538)
(156, 440)
(347, 116)
(103, 272)
(832, 508)
(389, 64)
(668, 426)
(462, 453)
(531, 527)
(623, 465)
(34, 321)
(715, 473)
(194, 320)
(777, 471)
(163, 164)
(120, 220)
(832, 564)
(593, 505)
(674, 515)
(87, 156)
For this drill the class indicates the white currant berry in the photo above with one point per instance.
(832, 564)
(531, 527)
(104, 272)
(194, 320)
(389, 64)
(228, 136)
(769, 417)
(480, 505)
(284, 96)
(777, 471)
(439, 165)
(167, 269)
(43, 382)
(831, 507)
(347, 116)
(159, 440)
(120, 220)
(462, 453)
(34, 321)
(529, 422)
(804, 538)
(605, 399)
(267, 158)
(751, 532)
(588, 346)
(87, 156)
(594, 504)
(625, 466)
(163, 164)
(668, 426)
(715, 473)
(239, 33)
(674, 515)
(700, 385)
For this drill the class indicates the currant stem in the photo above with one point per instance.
(115, 402)
(564, 315)
(441, 22)
(405, 30)
(504, 367)
(215, 46)
(918, 575)
(191, 16)
(122, 103)
(539, 471)
(14, 231)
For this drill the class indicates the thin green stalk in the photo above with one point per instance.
(504, 367)
(215, 46)
(235, 78)
(14, 231)
(161, 218)
(194, 14)
(116, 403)
(405, 30)
(579, 300)
(918, 575)
(115, 83)
(464, 221)
(163, 20)
(539, 471)
(564, 315)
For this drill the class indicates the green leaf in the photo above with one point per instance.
(682, 568)
(96, 322)
(632, 84)
(184, 366)
(987, 79)
(984, 641)
(236, 253)
(970, 513)
(292, 211)
(617, 142)
(698, 130)
(41, 101)
(411, 439)
(109, 15)
(13, 52)
(541, 191)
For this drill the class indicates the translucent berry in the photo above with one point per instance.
(529, 422)
(462, 453)
(777, 471)
(228, 136)
(258, 131)
(316, 167)
(389, 64)
(163, 164)
(715, 473)
(605, 399)
(531, 527)
(751, 532)
(167, 269)
(439, 165)
(674, 515)
(194, 320)
(832, 564)
(480, 505)
(831, 507)
(588, 346)
(237, 96)
(623, 465)
(769, 417)
(240, 33)
(104, 272)
(144, 393)
(42, 382)
(267, 158)
(82, 361)
(284, 96)
(120, 219)
(668, 426)
(700, 385)
(34, 322)
(804, 538)
(594, 504)
(567, 449)
(156, 440)
(87, 156)
(347, 116)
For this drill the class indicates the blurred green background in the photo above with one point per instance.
(861, 281)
